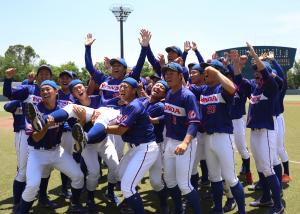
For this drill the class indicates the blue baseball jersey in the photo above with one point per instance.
(53, 134)
(279, 107)
(261, 100)
(15, 107)
(238, 108)
(109, 85)
(154, 110)
(136, 118)
(215, 108)
(181, 109)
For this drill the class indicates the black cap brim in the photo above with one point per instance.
(66, 73)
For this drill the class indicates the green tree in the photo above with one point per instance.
(20, 57)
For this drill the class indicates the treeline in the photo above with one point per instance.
(25, 60)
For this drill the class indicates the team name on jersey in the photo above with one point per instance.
(254, 99)
(106, 87)
(211, 99)
(33, 99)
(174, 110)
(63, 103)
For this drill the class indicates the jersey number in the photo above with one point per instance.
(211, 109)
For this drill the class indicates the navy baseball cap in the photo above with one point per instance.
(44, 67)
(190, 65)
(164, 83)
(73, 83)
(172, 66)
(216, 64)
(175, 49)
(132, 82)
(50, 83)
(155, 76)
(197, 67)
(66, 72)
(267, 65)
(119, 60)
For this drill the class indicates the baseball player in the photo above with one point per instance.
(67, 141)
(105, 149)
(174, 55)
(135, 128)
(45, 152)
(187, 48)
(279, 108)
(15, 107)
(216, 98)
(31, 94)
(181, 118)
(109, 84)
(155, 108)
(262, 93)
(197, 78)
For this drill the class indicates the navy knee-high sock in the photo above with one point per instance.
(59, 115)
(64, 181)
(175, 194)
(75, 195)
(204, 170)
(136, 203)
(96, 133)
(194, 199)
(273, 183)
(278, 172)
(110, 188)
(18, 188)
(217, 190)
(286, 167)
(91, 196)
(265, 187)
(25, 206)
(239, 196)
(246, 164)
(43, 188)
(194, 181)
(163, 196)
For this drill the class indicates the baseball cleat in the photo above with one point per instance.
(275, 210)
(286, 178)
(112, 198)
(229, 205)
(255, 187)
(34, 117)
(79, 136)
(46, 203)
(260, 203)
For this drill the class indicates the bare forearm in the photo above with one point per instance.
(116, 129)
(227, 84)
(37, 136)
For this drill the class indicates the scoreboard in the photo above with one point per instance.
(285, 56)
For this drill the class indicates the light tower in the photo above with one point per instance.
(121, 12)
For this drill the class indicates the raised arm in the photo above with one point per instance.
(97, 75)
(198, 55)
(144, 42)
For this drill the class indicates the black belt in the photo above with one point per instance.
(256, 129)
(45, 148)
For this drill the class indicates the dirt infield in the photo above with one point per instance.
(6, 123)
(292, 103)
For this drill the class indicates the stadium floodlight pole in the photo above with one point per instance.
(121, 12)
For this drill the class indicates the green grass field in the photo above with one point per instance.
(291, 191)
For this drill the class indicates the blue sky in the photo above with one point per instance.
(56, 29)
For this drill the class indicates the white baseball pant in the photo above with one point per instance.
(239, 132)
(67, 142)
(38, 160)
(262, 146)
(156, 171)
(134, 164)
(220, 158)
(106, 150)
(200, 153)
(178, 168)
(280, 139)
(21, 146)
